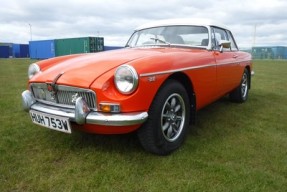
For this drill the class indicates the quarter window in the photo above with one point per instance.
(231, 39)
(221, 34)
(217, 35)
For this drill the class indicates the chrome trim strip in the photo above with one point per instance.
(64, 112)
(176, 70)
(97, 118)
(122, 119)
(189, 68)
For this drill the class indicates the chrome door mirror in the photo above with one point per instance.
(224, 44)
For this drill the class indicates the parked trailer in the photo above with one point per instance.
(20, 50)
(4, 51)
(42, 49)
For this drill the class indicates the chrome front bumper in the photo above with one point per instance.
(82, 114)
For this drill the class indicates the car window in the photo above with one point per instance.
(133, 39)
(178, 35)
(196, 39)
(231, 39)
(150, 37)
(217, 35)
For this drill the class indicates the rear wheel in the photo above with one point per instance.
(240, 94)
(168, 120)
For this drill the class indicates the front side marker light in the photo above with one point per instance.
(109, 107)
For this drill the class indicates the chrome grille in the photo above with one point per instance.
(60, 95)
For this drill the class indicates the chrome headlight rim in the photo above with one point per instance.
(119, 78)
(33, 70)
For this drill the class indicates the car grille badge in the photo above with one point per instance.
(52, 92)
(50, 87)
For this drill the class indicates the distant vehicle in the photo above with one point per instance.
(167, 72)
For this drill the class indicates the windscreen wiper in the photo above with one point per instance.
(160, 40)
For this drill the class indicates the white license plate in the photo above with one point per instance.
(51, 121)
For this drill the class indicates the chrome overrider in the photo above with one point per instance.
(82, 114)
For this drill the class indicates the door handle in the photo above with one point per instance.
(235, 56)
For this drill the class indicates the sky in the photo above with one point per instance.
(252, 22)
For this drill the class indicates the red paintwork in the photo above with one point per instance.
(95, 71)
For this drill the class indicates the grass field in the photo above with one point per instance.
(232, 147)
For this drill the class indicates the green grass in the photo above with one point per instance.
(232, 147)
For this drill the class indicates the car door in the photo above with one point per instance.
(226, 61)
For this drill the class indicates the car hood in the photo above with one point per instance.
(82, 70)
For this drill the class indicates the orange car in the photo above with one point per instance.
(168, 70)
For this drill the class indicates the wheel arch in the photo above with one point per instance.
(249, 76)
(187, 83)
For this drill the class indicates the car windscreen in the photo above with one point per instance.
(195, 36)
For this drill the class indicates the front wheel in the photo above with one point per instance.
(168, 120)
(240, 94)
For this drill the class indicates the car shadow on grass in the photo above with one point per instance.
(108, 143)
(218, 120)
(81, 141)
(213, 123)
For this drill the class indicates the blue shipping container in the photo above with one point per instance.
(109, 48)
(15, 50)
(269, 52)
(20, 50)
(4, 51)
(285, 53)
(42, 49)
(10, 47)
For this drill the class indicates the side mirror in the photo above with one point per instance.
(224, 44)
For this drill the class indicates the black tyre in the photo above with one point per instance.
(168, 120)
(240, 94)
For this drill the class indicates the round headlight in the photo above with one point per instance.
(33, 69)
(126, 79)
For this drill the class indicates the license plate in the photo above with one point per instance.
(51, 121)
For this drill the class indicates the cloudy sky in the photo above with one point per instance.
(115, 20)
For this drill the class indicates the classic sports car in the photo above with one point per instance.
(167, 72)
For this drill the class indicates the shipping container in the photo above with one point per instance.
(109, 48)
(79, 45)
(43, 49)
(285, 53)
(269, 52)
(20, 50)
(278, 52)
(4, 51)
(99, 44)
(10, 45)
